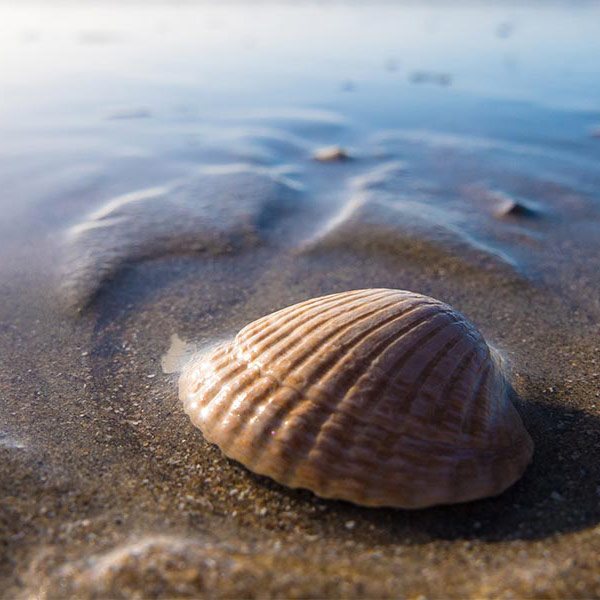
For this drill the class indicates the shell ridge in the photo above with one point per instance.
(298, 328)
(459, 456)
(418, 386)
(473, 399)
(332, 302)
(290, 397)
(194, 370)
(247, 382)
(416, 389)
(441, 412)
(208, 395)
(218, 356)
(502, 398)
(318, 406)
(480, 412)
(260, 388)
(311, 405)
(503, 412)
(218, 376)
(469, 403)
(432, 387)
(256, 332)
(386, 342)
(219, 403)
(393, 384)
(321, 426)
(275, 334)
(305, 304)
(324, 366)
(381, 396)
(465, 449)
(303, 329)
(335, 334)
(252, 407)
(394, 387)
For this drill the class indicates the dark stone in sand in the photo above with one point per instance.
(514, 208)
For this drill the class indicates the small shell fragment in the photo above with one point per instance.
(331, 154)
(380, 397)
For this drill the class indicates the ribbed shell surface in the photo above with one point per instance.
(380, 397)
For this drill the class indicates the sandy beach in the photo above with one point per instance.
(150, 192)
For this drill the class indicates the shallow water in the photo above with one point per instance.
(159, 177)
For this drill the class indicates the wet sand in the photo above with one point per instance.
(109, 491)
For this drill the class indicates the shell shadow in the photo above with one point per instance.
(558, 493)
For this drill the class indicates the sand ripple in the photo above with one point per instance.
(384, 213)
(217, 210)
(460, 204)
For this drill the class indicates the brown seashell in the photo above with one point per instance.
(381, 397)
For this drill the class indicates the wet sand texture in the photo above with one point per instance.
(373, 222)
(217, 211)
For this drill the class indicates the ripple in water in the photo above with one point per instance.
(260, 145)
(386, 212)
(457, 203)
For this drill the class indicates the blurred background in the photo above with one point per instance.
(150, 86)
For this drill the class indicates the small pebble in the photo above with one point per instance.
(350, 524)
(331, 154)
(513, 208)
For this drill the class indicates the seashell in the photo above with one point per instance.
(380, 397)
(331, 154)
